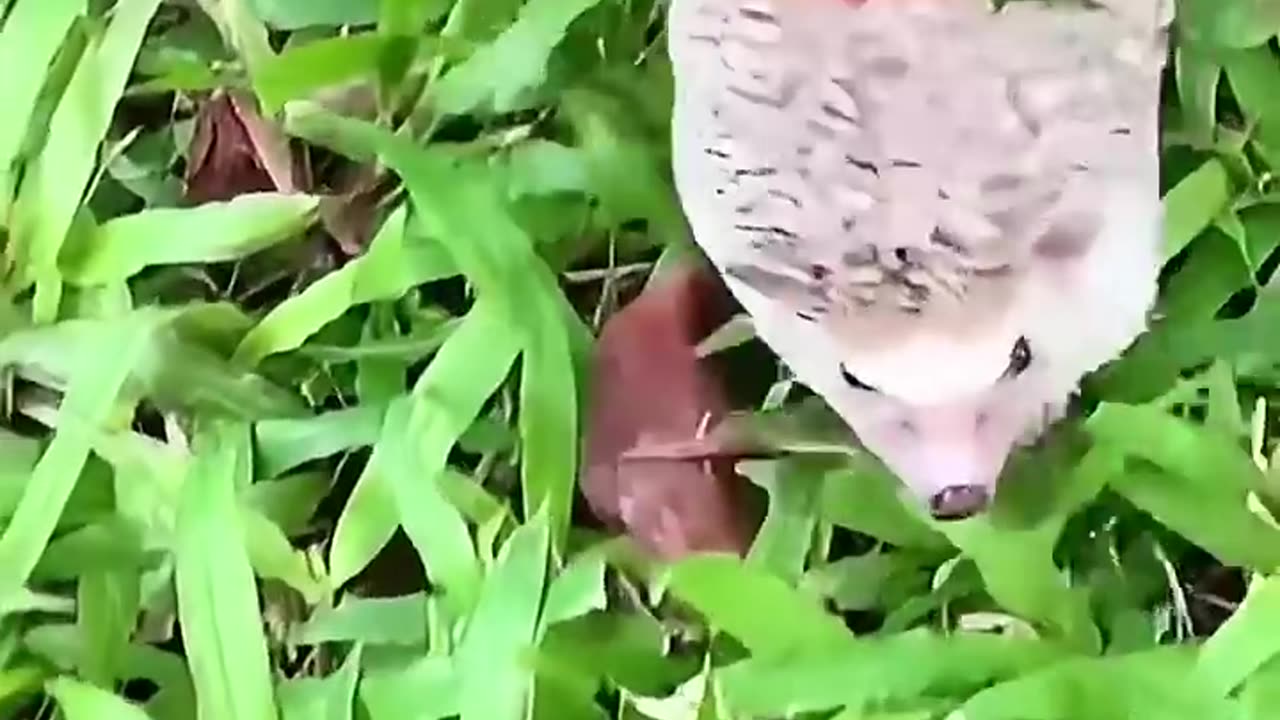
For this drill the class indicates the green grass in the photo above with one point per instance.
(308, 448)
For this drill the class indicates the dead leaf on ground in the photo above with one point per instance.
(234, 150)
(651, 387)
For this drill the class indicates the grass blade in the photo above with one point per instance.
(304, 69)
(881, 670)
(323, 698)
(90, 398)
(82, 701)
(31, 36)
(412, 453)
(213, 232)
(716, 584)
(1202, 486)
(497, 74)
(1192, 204)
(217, 593)
(107, 604)
(549, 421)
(1154, 684)
(285, 443)
(464, 374)
(395, 262)
(495, 680)
(461, 205)
(425, 689)
(57, 179)
(1245, 642)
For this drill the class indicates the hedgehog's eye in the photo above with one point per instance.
(1019, 358)
(853, 380)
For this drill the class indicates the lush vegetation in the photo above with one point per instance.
(300, 298)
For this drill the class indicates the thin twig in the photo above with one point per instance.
(578, 277)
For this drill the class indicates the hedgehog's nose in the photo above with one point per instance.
(959, 502)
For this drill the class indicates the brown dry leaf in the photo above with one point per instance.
(354, 210)
(234, 150)
(651, 387)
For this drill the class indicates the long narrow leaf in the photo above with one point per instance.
(31, 36)
(212, 232)
(1155, 684)
(717, 584)
(464, 374)
(490, 661)
(1192, 204)
(880, 670)
(56, 181)
(412, 453)
(217, 593)
(91, 394)
(549, 421)
(395, 262)
(460, 204)
(81, 701)
(1202, 487)
(516, 61)
(1245, 642)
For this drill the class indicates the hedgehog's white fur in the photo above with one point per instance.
(752, 155)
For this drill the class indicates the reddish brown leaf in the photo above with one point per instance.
(234, 150)
(651, 387)
(351, 214)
